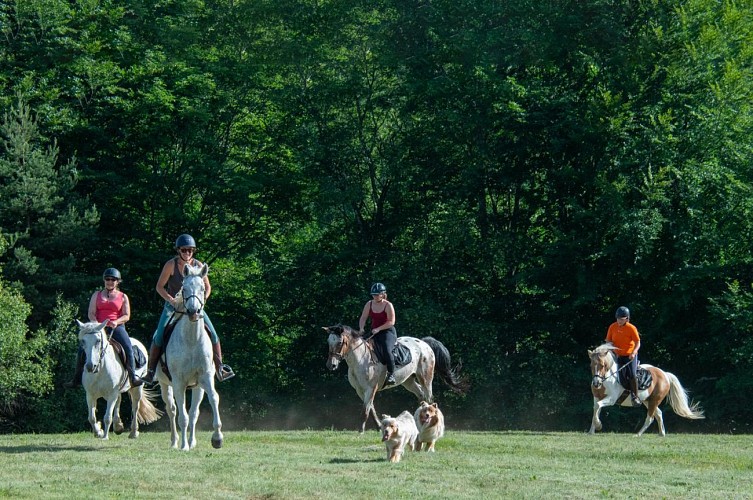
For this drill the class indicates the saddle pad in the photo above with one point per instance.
(400, 353)
(138, 357)
(642, 375)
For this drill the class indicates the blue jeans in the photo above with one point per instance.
(120, 334)
(167, 313)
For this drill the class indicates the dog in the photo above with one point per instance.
(397, 433)
(430, 425)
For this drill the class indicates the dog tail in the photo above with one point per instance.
(450, 375)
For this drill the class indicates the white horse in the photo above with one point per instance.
(189, 360)
(106, 377)
(606, 390)
(366, 375)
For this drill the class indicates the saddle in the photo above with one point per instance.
(401, 354)
(644, 379)
(138, 357)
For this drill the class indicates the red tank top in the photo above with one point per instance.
(109, 309)
(377, 318)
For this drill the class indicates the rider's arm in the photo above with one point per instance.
(125, 312)
(92, 313)
(364, 317)
(164, 276)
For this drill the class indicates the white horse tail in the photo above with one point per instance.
(149, 413)
(679, 401)
(450, 375)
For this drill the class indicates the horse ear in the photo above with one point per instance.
(80, 324)
(204, 270)
(590, 352)
(185, 270)
(102, 325)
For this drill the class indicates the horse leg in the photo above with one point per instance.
(167, 397)
(96, 428)
(179, 391)
(197, 395)
(660, 422)
(595, 421)
(652, 409)
(117, 422)
(107, 419)
(136, 394)
(214, 401)
(368, 407)
(419, 388)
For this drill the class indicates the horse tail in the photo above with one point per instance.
(443, 366)
(679, 401)
(148, 413)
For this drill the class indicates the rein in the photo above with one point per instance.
(616, 372)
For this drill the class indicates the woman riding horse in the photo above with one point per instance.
(113, 306)
(624, 336)
(168, 285)
(382, 315)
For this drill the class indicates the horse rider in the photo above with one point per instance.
(113, 306)
(381, 312)
(169, 284)
(624, 336)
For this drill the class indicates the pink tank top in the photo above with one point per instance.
(377, 318)
(109, 309)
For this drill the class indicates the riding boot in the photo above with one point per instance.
(224, 372)
(155, 352)
(634, 392)
(76, 381)
(390, 379)
(131, 369)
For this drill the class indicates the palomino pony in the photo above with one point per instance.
(189, 360)
(106, 377)
(367, 375)
(606, 389)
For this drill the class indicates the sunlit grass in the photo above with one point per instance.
(344, 464)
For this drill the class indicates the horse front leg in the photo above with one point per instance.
(168, 398)
(214, 401)
(368, 408)
(96, 427)
(595, 422)
(179, 391)
(197, 395)
(117, 422)
(136, 394)
(107, 419)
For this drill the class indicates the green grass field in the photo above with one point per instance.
(344, 464)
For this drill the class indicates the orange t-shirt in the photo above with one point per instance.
(624, 338)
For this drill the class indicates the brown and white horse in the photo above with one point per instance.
(367, 375)
(606, 389)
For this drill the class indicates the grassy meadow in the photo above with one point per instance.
(344, 464)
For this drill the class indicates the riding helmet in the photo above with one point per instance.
(378, 288)
(185, 240)
(622, 312)
(111, 272)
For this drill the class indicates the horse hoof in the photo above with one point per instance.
(118, 431)
(133, 435)
(216, 443)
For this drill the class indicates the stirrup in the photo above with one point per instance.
(224, 373)
(148, 378)
(636, 400)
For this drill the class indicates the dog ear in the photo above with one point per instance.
(435, 405)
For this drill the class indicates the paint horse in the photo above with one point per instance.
(606, 389)
(367, 375)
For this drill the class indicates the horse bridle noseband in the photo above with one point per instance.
(617, 372)
(339, 354)
(105, 345)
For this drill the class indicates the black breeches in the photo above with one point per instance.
(386, 339)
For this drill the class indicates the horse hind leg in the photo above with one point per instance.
(136, 394)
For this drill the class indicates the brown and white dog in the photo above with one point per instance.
(397, 433)
(430, 424)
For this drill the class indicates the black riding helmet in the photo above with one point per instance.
(622, 312)
(111, 272)
(378, 288)
(185, 240)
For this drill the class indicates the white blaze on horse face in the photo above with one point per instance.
(193, 296)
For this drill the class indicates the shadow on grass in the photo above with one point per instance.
(35, 449)
(355, 461)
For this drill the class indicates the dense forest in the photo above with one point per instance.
(512, 171)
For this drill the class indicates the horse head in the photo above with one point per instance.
(94, 342)
(602, 359)
(339, 340)
(193, 290)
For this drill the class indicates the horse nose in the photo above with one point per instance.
(332, 363)
(89, 367)
(596, 382)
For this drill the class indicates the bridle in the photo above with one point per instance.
(341, 347)
(190, 296)
(603, 378)
(105, 343)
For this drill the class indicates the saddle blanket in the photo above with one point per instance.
(644, 379)
(400, 353)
